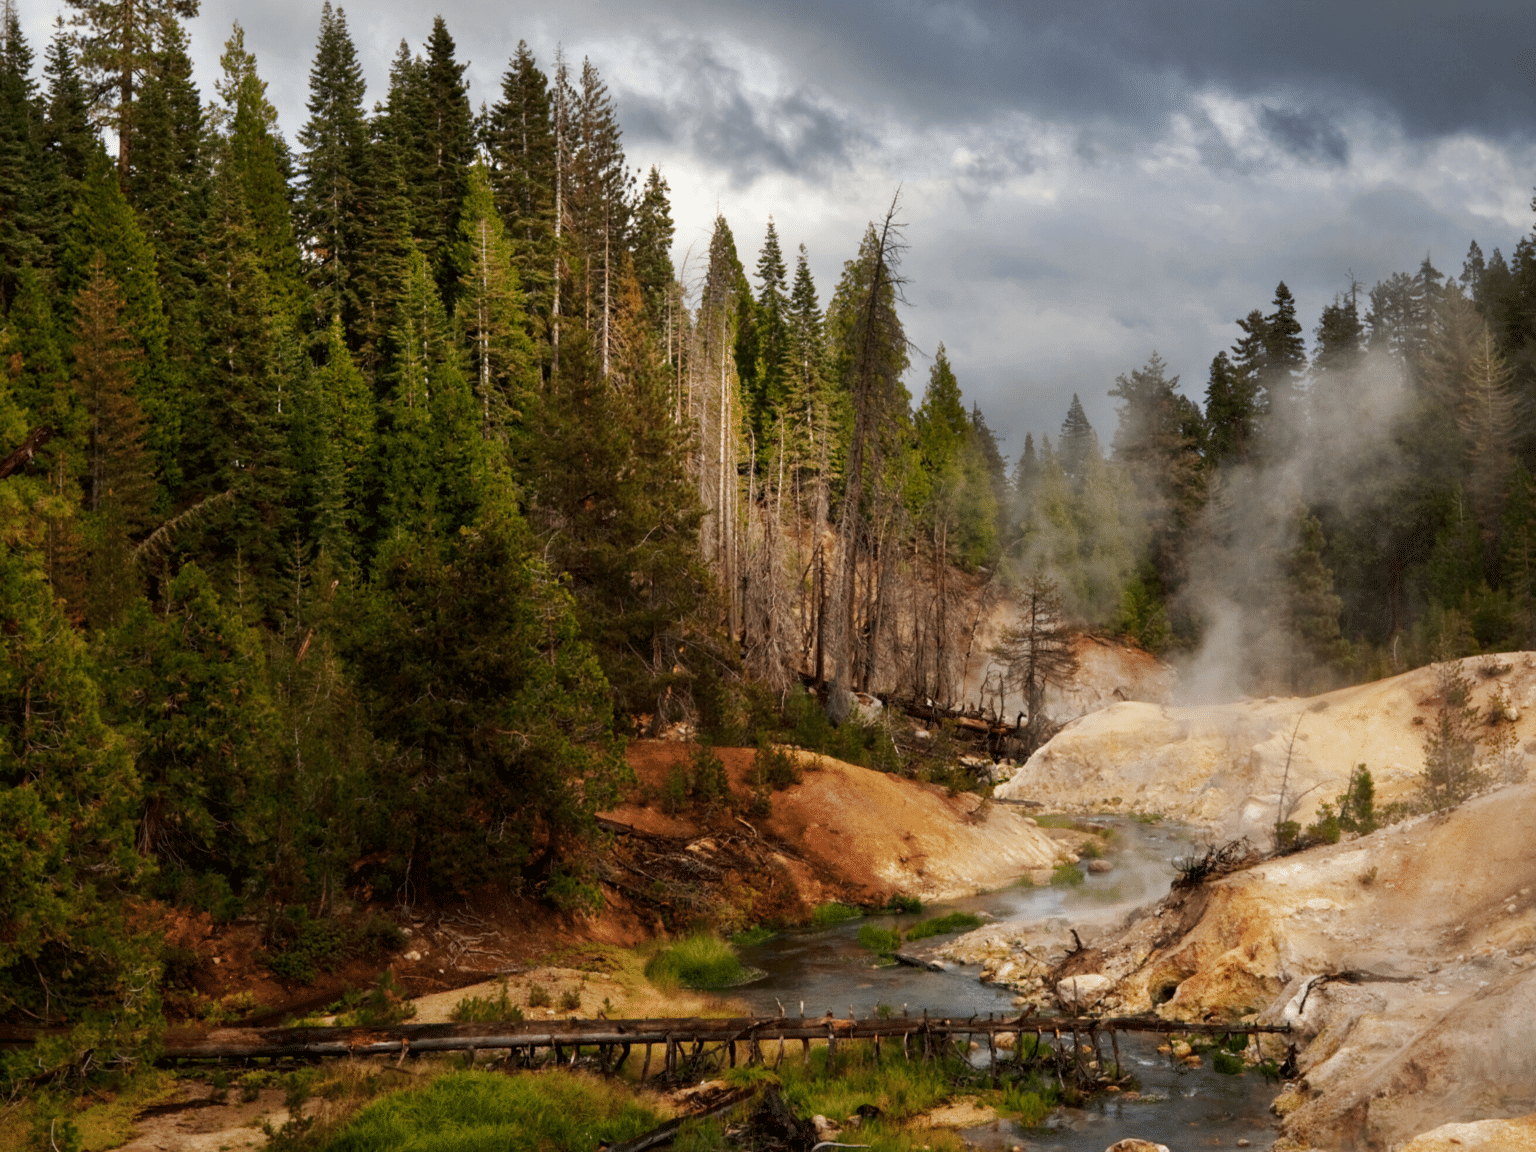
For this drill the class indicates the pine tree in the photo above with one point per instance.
(68, 794)
(430, 126)
(104, 224)
(1490, 421)
(431, 452)
(117, 45)
(238, 439)
(1229, 412)
(599, 207)
(261, 161)
(653, 259)
(491, 315)
(69, 142)
(119, 488)
(1311, 609)
(168, 186)
(23, 185)
(332, 172)
(1078, 441)
(519, 139)
(1285, 358)
(770, 382)
(332, 434)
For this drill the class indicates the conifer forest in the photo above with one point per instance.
(365, 484)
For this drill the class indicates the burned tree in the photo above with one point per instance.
(1037, 652)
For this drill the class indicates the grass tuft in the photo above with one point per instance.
(877, 939)
(697, 962)
(487, 1010)
(940, 925)
(825, 915)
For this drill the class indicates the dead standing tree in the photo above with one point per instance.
(1037, 652)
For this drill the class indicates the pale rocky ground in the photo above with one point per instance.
(1404, 959)
(1221, 767)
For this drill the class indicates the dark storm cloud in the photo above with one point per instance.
(1435, 66)
(711, 110)
(1306, 135)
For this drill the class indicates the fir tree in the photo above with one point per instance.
(261, 162)
(118, 41)
(69, 142)
(653, 232)
(23, 186)
(772, 334)
(332, 173)
(1229, 412)
(1078, 440)
(519, 139)
(599, 207)
(119, 487)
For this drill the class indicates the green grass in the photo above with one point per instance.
(904, 903)
(825, 915)
(940, 925)
(697, 962)
(877, 939)
(478, 1112)
(750, 936)
(1066, 875)
(1226, 1063)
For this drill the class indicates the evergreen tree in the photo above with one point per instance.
(69, 142)
(471, 664)
(119, 488)
(1229, 412)
(653, 257)
(431, 452)
(332, 434)
(237, 439)
(599, 207)
(1311, 609)
(68, 794)
(1077, 442)
(118, 43)
(188, 685)
(23, 186)
(261, 162)
(103, 223)
(770, 377)
(519, 140)
(333, 172)
(167, 185)
(609, 483)
(491, 316)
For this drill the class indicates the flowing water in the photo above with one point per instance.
(822, 970)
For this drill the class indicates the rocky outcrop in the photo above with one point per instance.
(1405, 962)
(1223, 767)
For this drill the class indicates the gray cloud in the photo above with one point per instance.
(1306, 135)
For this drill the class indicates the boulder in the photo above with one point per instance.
(1135, 1145)
(1478, 1136)
(1080, 992)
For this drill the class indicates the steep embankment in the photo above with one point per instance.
(1222, 767)
(846, 832)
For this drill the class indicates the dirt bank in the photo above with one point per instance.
(844, 833)
(1405, 961)
(1221, 767)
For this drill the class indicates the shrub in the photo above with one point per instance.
(538, 996)
(773, 767)
(904, 904)
(709, 786)
(299, 947)
(570, 1000)
(383, 1005)
(941, 925)
(497, 1009)
(700, 961)
(571, 889)
(824, 915)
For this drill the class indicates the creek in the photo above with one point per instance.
(821, 970)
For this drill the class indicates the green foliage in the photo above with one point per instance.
(942, 925)
(538, 996)
(382, 1005)
(877, 939)
(469, 661)
(901, 903)
(573, 889)
(709, 787)
(300, 946)
(825, 915)
(701, 961)
(497, 1009)
(1226, 1063)
(750, 936)
(1453, 770)
(1029, 1101)
(773, 767)
(469, 1110)
(1066, 875)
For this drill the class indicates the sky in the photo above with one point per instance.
(1081, 184)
